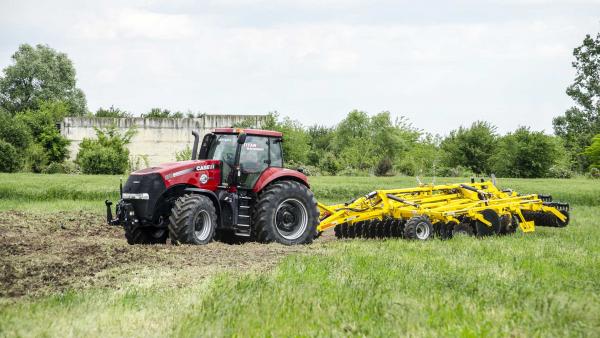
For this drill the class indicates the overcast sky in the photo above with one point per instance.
(442, 64)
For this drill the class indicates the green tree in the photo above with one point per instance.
(319, 142)
(40, 74)
(353, 143)
(14, 131)
(157, 113)
(581, 122)
(423, 158)
(107, 154)
(593, 152)
(524, 153)
(48, 144)
(10, 160)
(111, 112)
(471, 147)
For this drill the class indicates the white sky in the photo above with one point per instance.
(442, 64)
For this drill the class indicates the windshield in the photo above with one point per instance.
(223, 148)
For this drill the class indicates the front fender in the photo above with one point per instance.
(213, 197)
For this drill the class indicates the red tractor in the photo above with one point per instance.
(234, 187)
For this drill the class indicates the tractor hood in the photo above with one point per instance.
(184, 172)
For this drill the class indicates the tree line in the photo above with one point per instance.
(38, 89)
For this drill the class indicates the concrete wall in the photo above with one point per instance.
(159, 139)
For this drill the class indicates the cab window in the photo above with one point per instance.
(254, 159)
(276, 153)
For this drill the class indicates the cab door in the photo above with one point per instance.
(257, 154)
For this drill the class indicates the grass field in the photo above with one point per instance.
(81, 278)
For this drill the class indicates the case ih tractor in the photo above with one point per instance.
(234, 187)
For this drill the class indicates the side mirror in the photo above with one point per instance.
(241, 139)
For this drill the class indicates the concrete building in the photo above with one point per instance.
(158, 139)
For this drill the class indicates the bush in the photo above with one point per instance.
(137, 162)
(106, 155)
(67, 167)
(184, 154)
(54, 168)
(36, 158)
(594, 173)
(55, 145)
(525, 153)
(557, 171)
(10, 159)
(383, 167)
(330, 164)
(97, 159)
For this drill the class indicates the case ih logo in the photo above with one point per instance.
(205, 167)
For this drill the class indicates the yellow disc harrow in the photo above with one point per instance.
(427, 211)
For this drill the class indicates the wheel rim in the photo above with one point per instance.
(422, 231)
(202, 225)
(291, 219)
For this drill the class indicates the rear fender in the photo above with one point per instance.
(277, 174)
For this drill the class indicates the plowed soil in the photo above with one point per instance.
(40, 254)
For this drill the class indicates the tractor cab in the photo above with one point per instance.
(244, 154)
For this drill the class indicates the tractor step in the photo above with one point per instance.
(244, 227)
(243, 230)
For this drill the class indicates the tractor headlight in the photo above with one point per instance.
(139, 196)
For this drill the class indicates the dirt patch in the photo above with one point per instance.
(55, 252)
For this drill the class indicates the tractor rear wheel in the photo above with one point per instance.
(136, 234)
(193, 220)
(286, 212)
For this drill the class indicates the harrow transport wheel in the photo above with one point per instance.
(462, 229)
(286, 212)
(193, 220)
(137, 234)
(419, 227)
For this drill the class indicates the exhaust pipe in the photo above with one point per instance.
(195, 147)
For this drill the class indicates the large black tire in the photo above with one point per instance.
(136, 234)
(419, 227)
(193, 220)
(286, 212)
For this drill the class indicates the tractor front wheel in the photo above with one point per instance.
(286, 212)
(193, 220)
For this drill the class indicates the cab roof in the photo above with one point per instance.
(258, 132)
